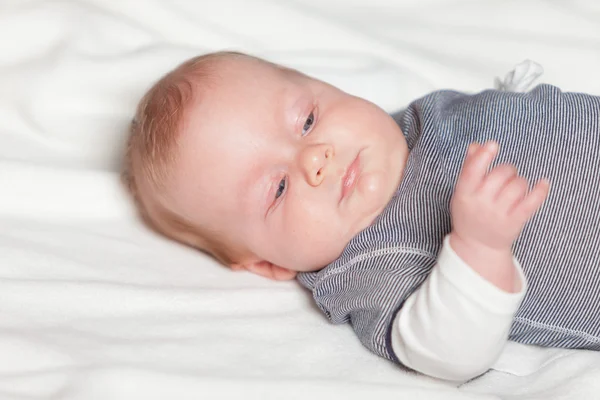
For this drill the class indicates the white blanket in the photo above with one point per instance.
(94, 306)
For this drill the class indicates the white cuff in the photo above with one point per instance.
(455, 325)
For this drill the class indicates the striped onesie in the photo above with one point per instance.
(544, 133)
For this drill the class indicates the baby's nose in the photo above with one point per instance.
(315, 160)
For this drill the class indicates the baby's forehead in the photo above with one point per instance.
(230, 124)
(240, 91)
(259, 75)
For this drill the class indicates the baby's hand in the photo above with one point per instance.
(491, 208)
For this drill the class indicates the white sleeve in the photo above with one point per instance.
(456, 324)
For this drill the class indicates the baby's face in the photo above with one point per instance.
(288, 165)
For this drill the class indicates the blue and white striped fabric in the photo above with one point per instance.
(545, 133)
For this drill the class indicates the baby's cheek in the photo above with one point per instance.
(323, 253)
(370, 185)
(321, 245)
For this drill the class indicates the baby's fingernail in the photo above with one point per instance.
(492, 147)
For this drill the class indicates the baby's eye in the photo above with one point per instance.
(308, 124)
(280, 189)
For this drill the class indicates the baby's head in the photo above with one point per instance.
(264, 168)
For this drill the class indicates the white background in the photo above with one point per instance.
(93, 306)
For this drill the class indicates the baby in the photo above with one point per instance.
(420, 229)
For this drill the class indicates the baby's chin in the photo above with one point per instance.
(314, 263)
(311, 269)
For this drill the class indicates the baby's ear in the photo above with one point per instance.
(266, 269)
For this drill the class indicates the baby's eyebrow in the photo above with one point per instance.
(253, 194)
(287, 109)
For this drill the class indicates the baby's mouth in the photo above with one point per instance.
(350, 177)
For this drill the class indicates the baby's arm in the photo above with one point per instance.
(456, 324)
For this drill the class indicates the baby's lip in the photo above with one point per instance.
(350, 177)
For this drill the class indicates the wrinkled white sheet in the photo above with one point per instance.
(94, 306)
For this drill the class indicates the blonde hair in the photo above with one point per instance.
(151, 153)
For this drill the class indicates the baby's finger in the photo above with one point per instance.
(513, 192)
(476, 166)
(532, 202)
(473, 147)
(497, 179)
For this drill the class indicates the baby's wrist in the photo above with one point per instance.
(493, 264)
(475, 246)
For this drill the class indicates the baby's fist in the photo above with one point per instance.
(491, 208)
